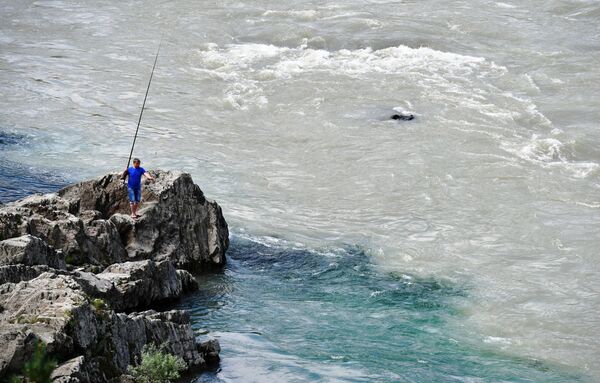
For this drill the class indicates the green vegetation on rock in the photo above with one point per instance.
(157, 366)
(99, 304)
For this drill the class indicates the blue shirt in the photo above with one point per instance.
(135, 177)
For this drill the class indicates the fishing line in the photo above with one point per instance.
(144, 103)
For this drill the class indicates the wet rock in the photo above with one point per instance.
(29, 250)
(210, 351)
(403, 117)
(188, 282)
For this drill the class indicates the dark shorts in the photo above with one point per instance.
(135, 195)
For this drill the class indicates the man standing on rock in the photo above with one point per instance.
(134, 185)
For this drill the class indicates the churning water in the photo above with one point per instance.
(463, 243)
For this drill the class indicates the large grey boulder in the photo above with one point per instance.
(89, 223)
(129, 285)
(29, 250)
(178, 223)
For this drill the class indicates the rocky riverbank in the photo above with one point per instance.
(79, 274)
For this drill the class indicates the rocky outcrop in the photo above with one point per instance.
(89, 223)
(178, 223)
(54, 308)
(74, 266)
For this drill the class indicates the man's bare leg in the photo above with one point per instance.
(133, 206)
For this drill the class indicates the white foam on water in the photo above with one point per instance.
(449, 78)
(505, 5)
(259, 368)
(483, 106)
(306, 15)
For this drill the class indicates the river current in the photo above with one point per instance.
(459, 246)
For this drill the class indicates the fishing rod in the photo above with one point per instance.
(144, 103)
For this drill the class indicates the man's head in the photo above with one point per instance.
(136, 162)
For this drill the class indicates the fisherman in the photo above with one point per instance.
(134, 185)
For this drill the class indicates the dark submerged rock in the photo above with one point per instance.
(403, 117)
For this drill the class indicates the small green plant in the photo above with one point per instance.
(69, 259)
(157, 366)
(38, 369)
(21, 319)
(99, 304)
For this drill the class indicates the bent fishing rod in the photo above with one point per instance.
(144, 103)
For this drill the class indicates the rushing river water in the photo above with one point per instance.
(459, 246)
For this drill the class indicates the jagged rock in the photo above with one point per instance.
(171, 329)
(88, 222)
(141, 283)
(18, 344)
(29, 250)
(188, 282)
(71, 371)
(37, 309)
(54, 308)
(18, 273)
(210, 350)
(130, 285)
(177, 223)
(48, 217)
(96, 287)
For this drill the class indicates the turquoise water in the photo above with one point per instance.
(287, 313)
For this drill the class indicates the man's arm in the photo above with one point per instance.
(147, 175)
